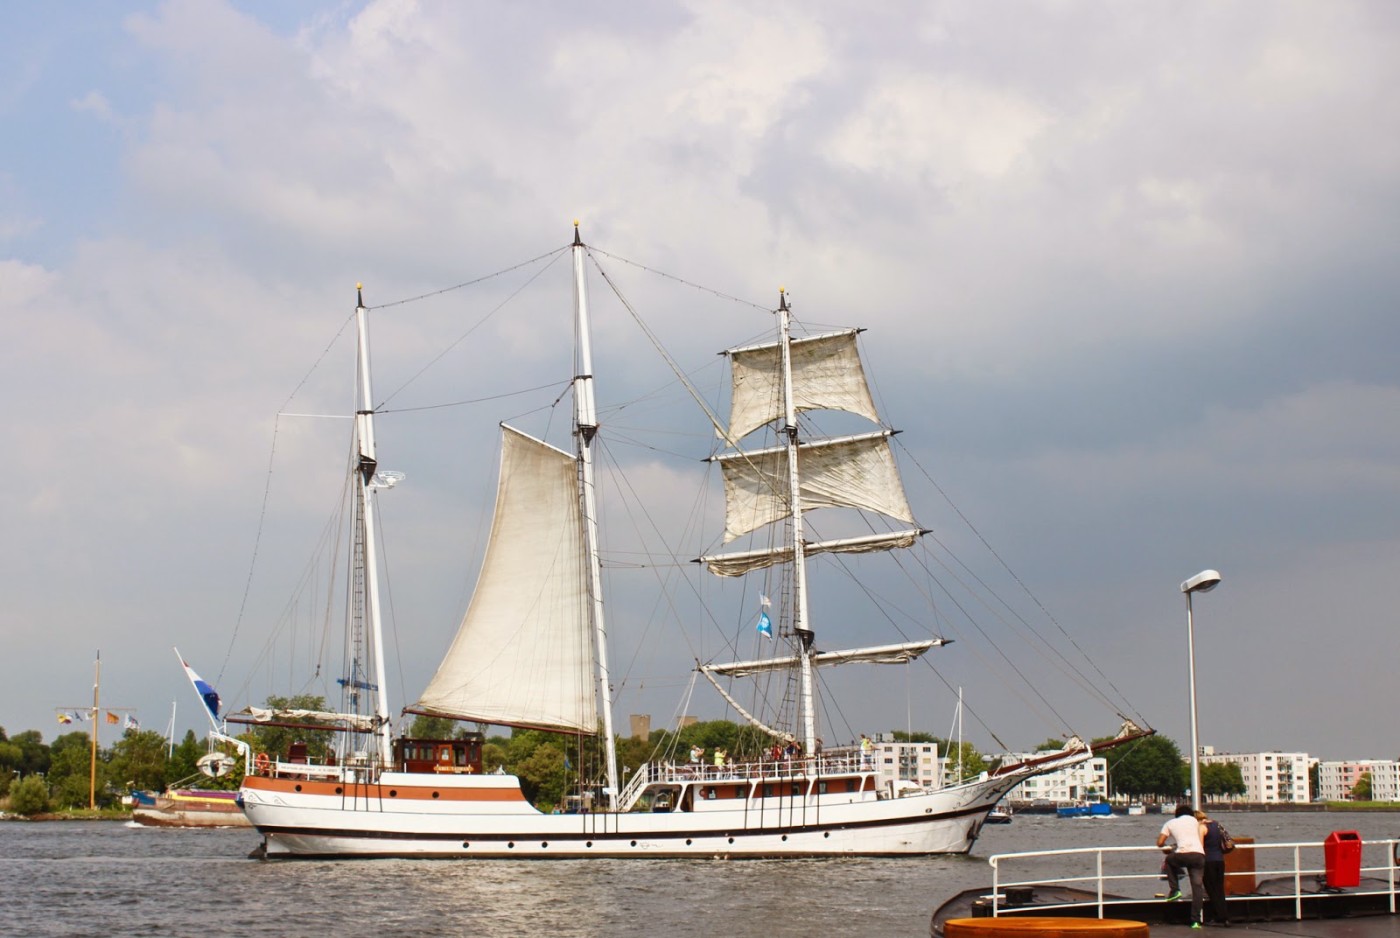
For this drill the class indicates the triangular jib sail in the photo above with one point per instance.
(522, 656)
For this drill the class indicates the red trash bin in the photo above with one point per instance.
(1341, 852)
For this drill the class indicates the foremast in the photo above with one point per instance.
(366, 466)
(801, 626)
(772, 384)
(585, 430)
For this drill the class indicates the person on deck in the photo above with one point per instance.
(1213, 841)
(1189, 854)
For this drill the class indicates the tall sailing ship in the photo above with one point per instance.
(532, 652)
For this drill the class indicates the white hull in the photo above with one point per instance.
(413, 815)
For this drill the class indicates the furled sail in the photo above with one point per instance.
(737, 563)
(848, 472)
(879, 654)
(826, 375)
(252, 715)
(523, 655)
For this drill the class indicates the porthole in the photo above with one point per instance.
(544, 844)
(826, 834)
(687, 841)
(785, 838)
(731, 840)
(339, 790)
(634, 843)
(588, 843)
(435, 794)
(511, 845)
(298, 788)
(393, 793)
(466, 844)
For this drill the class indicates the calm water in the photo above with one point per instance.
(107, 878)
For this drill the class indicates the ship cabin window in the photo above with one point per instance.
(440, 755)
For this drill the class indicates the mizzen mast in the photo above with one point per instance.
(367, 465)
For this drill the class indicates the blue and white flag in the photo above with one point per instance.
(203, 688)
(765, 625)
(131, 723)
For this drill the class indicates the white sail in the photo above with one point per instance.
(826, 375)
(902, 653)
(523, 655)
(737, 563)
(849, 472)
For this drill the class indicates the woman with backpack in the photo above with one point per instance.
(1214, 842)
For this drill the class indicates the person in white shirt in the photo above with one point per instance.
(1188, 836)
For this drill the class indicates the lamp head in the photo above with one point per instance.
(1203, 582)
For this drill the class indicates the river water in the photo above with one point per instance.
(77, 878)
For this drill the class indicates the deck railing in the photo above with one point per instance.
(1118, 875)
(835, 762)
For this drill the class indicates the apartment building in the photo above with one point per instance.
(1269, 777)
(1336, 779)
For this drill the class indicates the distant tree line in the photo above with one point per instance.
(37, 777)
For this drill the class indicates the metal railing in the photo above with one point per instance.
(834, 762)
(1096, 870)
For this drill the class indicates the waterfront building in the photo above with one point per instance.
(912, 762)
(1269, 777)
(1336, 779)
(1081, 782)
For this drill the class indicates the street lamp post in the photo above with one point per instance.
(1203, 582)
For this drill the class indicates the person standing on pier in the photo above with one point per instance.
(1187, 834)
(1213, 841)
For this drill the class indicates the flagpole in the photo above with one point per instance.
(92, 774)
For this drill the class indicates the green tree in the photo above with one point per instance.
(1361, 788)
(70, 775)
(34, 755)
(1221, 779)
(29, 796)
(1051, 744)
(184, 757)
(543, 779)
(1149, 767)
(425, 727)
(138, 760)
(276, 740)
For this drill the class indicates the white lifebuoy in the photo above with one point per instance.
(262, 762)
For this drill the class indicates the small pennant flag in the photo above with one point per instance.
(131, 723)
(64, 718)
(82, 715)
(765, 625)
(764, 601)
(112, 718)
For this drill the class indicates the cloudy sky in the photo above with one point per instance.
(1128, 270)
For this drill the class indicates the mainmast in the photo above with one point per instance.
(800, 625)
(586, 420)
(368, 463)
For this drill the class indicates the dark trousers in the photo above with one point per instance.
(1195, 865)
(1214, 877)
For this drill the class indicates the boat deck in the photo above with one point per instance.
(1292, 897)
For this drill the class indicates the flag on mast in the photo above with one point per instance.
(765, 625)
(202, 687)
